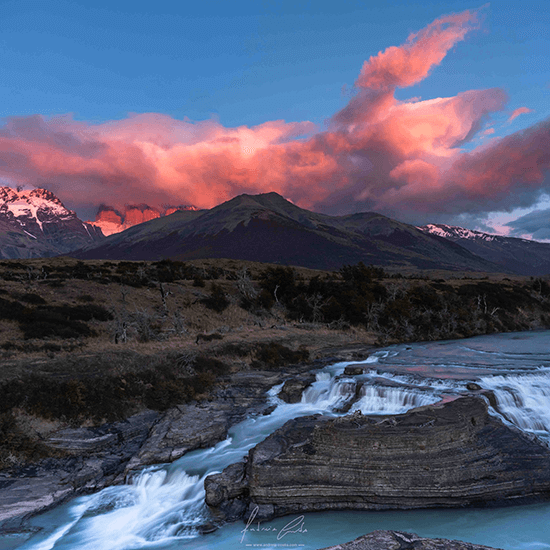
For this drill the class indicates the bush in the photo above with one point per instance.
(217, 300)
(30, 298)
(111, 397)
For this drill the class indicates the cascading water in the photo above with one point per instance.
(523, 400)
(163, 507)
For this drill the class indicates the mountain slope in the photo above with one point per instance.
(512, 254)
(35, 224)
(268, 228)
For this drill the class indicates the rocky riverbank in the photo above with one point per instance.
(448, 455)
(90, 459)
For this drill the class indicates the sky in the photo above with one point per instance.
(435, 113)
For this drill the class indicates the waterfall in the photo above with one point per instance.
(523, 400)
(388, 400)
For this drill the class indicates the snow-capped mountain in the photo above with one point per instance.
(515, 255)
(111, 220)
(35, 223)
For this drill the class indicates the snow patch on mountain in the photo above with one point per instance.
(454, 232)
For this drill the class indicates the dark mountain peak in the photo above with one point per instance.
(263, 200)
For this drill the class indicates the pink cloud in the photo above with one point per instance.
(519, 111)
(402, 158)
(409, 64)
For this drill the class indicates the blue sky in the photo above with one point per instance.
(246, 63)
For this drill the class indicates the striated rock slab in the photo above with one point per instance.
(446, 455)
(395, 540)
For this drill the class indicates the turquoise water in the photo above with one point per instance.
(163, 507)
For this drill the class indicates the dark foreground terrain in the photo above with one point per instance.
(103, 364)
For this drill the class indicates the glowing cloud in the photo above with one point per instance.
(519, 111)
(402, 158)
(409, 64)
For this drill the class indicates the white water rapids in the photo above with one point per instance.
(163, 507)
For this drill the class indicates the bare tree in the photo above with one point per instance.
(245, 286)
(317, 302)
(164, 293)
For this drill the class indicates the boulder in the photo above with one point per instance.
(445, 455)
(292, 390)
(395, 540)
(354, 370)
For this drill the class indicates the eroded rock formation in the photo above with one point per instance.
(447, 455)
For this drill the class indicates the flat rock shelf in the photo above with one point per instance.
(449, 455)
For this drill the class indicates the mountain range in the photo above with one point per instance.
(514, 255)
(264, 228)
(268, 228)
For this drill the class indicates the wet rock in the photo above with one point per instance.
(447, 455)
(207, 528)
(269, 410)
(292, 390)
(354, 370)
(491, 397)
(180, 430)
(472, 386)
(395, 540)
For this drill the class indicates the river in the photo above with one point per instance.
(163, 507)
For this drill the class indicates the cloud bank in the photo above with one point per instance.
(403, 158)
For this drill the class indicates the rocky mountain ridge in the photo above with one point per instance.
(512, 254)
(35, 223)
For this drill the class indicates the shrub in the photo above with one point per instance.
(198, 281)
(30, 298)
(217, 300)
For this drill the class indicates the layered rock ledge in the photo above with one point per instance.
(448, 455)
(395, 540)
